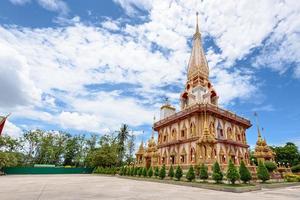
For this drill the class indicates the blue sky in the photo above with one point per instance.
(88, 66)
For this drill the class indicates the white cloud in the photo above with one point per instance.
(61, 62)
(12, 130)
(58, 6)
(19, 2)
(130, 6)
(16, 87)
(55, 5)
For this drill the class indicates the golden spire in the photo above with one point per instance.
(197, 63)
(258, 130)
(197, 33)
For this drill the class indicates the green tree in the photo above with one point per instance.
(171, 172)
(130, 149)
(190, 175)
(106, 155)
(140, 171)
(162, 172)
(197, 170)
(156, 172)
(287, 154)
(144, 172)
(178, 173)
(136, 171)
(271, 166)
(132, 171)
(121, 172)
(203, 172)
(232, 173)
(244, 173)
(122, 137)
(262, 172)
(150, 172)
(217, 174)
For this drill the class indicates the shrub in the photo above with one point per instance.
(121, 172)
(140, 171)
(150, 172)
(132, 171)
(217, 173)
(135, 171)
(156, 171)
(271, 166)
(197, 170)
(190, 175)
(203, 172)
(171, 172)
(244, 173)
(178, 173)
(232, 173)
(292, 178)
(262, 172)
(162, 172)
(144, 172)
(106, 170)
(295, 168)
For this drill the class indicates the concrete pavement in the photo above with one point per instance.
(101, 187)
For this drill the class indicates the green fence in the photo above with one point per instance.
(46, 170)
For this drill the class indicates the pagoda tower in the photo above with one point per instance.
(201, 132)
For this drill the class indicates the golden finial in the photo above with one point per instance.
(257, 124)
(197, 24)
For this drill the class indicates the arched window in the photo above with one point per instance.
(174, 134)
(220, 130)
(192, 129)
(183, 133)
(229, 133)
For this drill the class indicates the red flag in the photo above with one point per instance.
(2, 122)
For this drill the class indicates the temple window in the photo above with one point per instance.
(192, 129)
(229, 133)
(163, 160)
(182, 133)
(220, 130)
(223, 159)
(239, 137)
(165, 138)
(174, 134)
(172, 159)
(182, 159)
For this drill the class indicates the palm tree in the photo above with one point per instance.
(122, 136)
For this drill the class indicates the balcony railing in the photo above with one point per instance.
(202, 108)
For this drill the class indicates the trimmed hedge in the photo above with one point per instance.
(105, 170)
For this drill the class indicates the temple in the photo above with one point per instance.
(201, 132)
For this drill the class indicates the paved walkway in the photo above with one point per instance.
(100, 187)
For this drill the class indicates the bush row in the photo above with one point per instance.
(233, 174)
(105, 170)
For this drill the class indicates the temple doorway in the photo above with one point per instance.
(172, 160)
